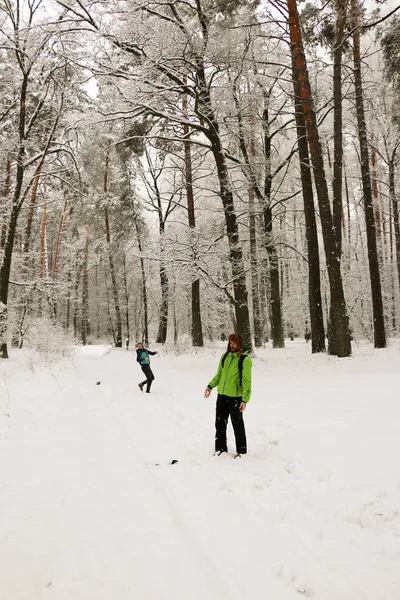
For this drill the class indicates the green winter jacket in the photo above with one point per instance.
(228, 377)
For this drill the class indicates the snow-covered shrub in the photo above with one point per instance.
(49, 340)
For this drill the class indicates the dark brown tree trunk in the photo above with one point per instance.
(127, 341)
(377, 303)
(393, 268)
(5, 266)
(337, 205)
(163, 320)
(277, 335)
(69, 288)
(18, 196)
(346, 186)
(339, 342)
(175, 314)
(26, 294)
(314, 274)
(76, 297)
(96, 282)
(85, 323)
(255, 288)
(379, 216)
(144, 288)
(6, 193)
(265, 199)
(204, 111)
(196, 326)
(118, 328)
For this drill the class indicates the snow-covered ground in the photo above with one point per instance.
(92, 508)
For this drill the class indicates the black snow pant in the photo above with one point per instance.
(149, 377)
(229, 406)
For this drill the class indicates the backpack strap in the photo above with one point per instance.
(241, 359)
(224, 359)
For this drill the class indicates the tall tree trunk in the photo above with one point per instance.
(144, 287)
(163, 320)
(314, 274)
(18, 196)
(126, 306)
(43, 257)
(337, 205)
(379, 215)
(76, 296)
(255, 288)
(68, 309)
(346, 186)
(6, 193)
(390, 259)
(27, 293)
(85, 323)
(376, 290)
(59, 236)
(204, 111)
(96, 281)
(339, 342)
(196, 326)
(277, 335)
(265, 200)
(118, 328)
(5, 266)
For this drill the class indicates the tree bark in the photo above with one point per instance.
(395, 211)
(379, 215)
(277, 335)
(85, 323)
(118, 329)
(339, 342)
(5, 266)
(163, 319)
(265, 200)
(196, 326)
(375, 279)
(314, 274)
(205, 112)
(126, 307)
(337, 204)
(6, 193)
(144, 287)
(255, 287)
(76, 297)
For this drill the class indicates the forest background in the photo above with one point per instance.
(178, 170)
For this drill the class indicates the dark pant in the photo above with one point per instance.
(229, 406)
(149, 376)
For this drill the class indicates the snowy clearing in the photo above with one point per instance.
(91, 507)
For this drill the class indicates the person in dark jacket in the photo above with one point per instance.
(233, 379)
(143, 358)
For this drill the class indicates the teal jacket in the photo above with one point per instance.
(228, 377)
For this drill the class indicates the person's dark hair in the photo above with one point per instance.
(235, 337)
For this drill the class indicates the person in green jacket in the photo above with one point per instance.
(233, 379)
